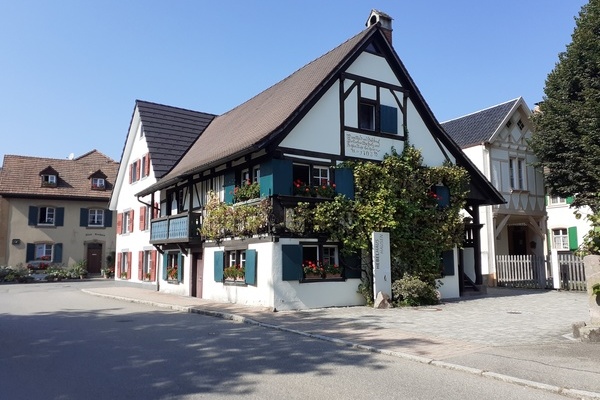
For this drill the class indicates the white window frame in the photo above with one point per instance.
(43, 250)
(125, 222)
(330, 253)
(98, 183)
(255, 173)
(134, 171)
(96, 217)
(517, 170)
(143, 166)
(146, 263)
(320, 176)
(557, 200)
(49, 179)
(50, 216)
(560, 238)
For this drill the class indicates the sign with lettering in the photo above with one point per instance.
(369, 147)
(382, 263)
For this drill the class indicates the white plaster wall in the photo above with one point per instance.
(260, 294)
(562, 216)
(319, 129)
(375, 67)
(293, 295)
(137, 240)
(183, 288)
(420, 137)
(449, 285)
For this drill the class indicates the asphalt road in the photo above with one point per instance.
(59, 343)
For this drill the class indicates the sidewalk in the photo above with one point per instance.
(521, 336)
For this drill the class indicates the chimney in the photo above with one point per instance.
(384, 20)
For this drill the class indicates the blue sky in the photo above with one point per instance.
(71, 70)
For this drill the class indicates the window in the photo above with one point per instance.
(147, 265)
(49, 180)
(521, 125)
(98, 183)
(560, 239)
(509, 124)
(320, 176)
(516, 171)
(46, 215)
(124, 265)
(557, 200)
(134, 171)
(322, 259)
(43, 252)
(255, 174)
(377, 117)
(145, 167)
(173, 264)
(366, 116)
(96, 217)
(125, 222)
(245, 177)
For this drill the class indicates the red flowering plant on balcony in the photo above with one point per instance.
(304, 189)
(246, 191)
(313, 268)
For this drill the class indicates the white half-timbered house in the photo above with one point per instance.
(355, 102)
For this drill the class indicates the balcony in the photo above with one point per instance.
(181, 228)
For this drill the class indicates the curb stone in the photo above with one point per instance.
(574, 393)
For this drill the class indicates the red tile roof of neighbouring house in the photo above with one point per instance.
(20, 176)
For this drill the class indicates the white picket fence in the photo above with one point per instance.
(534, 272)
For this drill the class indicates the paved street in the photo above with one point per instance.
(521, 334)
(60, 343)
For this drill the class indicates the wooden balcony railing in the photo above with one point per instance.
(181, 228)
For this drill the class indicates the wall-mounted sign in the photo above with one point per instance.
(369, 147)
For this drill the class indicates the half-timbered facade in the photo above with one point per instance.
(282, 147)
(496, 141)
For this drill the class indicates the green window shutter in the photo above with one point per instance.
(179, 267)
(60, 216)
(573, 245)
(229, 187)
(108, 219)
(83, 217)
(546, 197)
(344, 182)
(352, 266)
(58, 250)
(448, 262)
(276, 177)
(165, 263)
(33, 215)
(389, 119)
(219, 260)
(569, 200)
(30, 252)
(291, 263)
(250, 275)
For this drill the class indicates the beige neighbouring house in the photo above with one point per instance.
(55, 211)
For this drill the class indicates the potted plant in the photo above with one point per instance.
(313, 269)
(107, 272)
(172, 273)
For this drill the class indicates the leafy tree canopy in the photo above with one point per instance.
(567, 138)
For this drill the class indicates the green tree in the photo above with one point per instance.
(567, 138)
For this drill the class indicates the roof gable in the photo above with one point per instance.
(479, 127)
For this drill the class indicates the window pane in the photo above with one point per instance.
(366, 116)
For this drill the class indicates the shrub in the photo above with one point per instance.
(413, 291)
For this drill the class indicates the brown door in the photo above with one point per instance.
(197, 272)
(94, 258)
(517, 245)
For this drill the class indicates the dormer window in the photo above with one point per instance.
(98, 184)
(49, 180)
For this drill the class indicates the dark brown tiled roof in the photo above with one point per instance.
(265, 114)
(169, 132)
(20, 176)
(478, 127)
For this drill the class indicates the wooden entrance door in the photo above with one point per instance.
(94, 258)
(197, 274)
